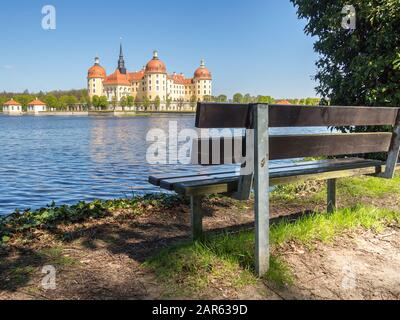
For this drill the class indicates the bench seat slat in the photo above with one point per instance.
(179, 184)
(155, 180)
(169, 184)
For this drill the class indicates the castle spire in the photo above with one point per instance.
(121, 61)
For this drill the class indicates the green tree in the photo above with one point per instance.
(103, 103)
(157, 103)
(3, 100)
(207, 99)
(51, 101)
(247, 98)
(193, 102)
(114, 102)
(96, 102)
(24, 99)
(360, 67)
(137, 103)
(130, 102)
(146, 103)
(222, 98)
(71, 101)
(123, 103)
(237, 98)
(265, 99)
(63, 102)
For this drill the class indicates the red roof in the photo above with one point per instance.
(180, 79)
(283, 102)
(12, 102)
(136, 76)
(117, 78)
(36, 102)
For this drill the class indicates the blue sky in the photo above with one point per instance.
(253, 46)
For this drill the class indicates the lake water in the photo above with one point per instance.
(68, 159)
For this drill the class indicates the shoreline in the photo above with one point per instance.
(101, 113)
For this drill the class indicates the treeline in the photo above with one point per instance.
(65, 100)
(247, 98)
(56, 100)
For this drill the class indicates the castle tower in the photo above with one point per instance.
(202, 82)
(121, 61)
(96, 75)
(155, 77)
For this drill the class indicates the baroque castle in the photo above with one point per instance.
(151, 83)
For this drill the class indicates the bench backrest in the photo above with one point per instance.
(222, 115)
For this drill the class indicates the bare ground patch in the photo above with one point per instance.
(102, 259)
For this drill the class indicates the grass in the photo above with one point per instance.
(314, 192)
(55, 256)
(369, 186)
(193, 268)
(20, 274)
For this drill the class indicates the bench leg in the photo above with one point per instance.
(196, 218)
(331, 195)
(261, 190)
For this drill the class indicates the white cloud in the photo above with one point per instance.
(8, 67)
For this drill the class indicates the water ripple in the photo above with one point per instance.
(67, 159)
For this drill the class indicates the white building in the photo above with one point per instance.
(12, 107)
(36, 106)
(151, 83)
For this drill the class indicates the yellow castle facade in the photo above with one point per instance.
(151, 83)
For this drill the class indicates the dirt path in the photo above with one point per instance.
(103, 259)
(361, 265)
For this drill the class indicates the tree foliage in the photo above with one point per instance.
(360, 67)
(237, 98)
(157, 103)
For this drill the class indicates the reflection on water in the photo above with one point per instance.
(67, 159)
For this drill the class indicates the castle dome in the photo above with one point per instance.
(97, 71)
(155, 65)
(202, 73)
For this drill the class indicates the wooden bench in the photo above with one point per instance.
(256, 147)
